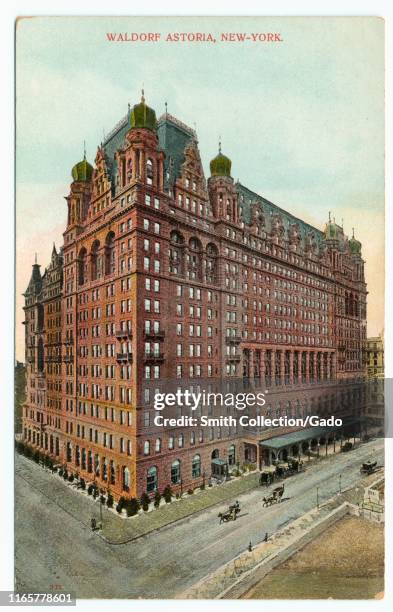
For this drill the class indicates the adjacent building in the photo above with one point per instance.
(164, 275)
(375, 357)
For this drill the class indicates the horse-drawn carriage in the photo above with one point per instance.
(368, 467)
(275, 497)
(230, 514)
(280, 470)
(268, 475)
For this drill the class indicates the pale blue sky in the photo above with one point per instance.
(302, 120)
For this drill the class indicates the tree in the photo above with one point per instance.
(157, 499)
(132, 506)
(120, 505)
(109, 501)
(145, 501)
(168, 494)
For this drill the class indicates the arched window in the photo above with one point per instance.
(89, 462)
(129, 170)
(69, 452)
(211, 263)
(97, 465)
(125, 472)
(95, 261)
(196, 466)
(41, 357)
(112, 472)
(176, 253)
(110, 253)
(195, 259)
(232, 455)
(82, 266)
(152, 480)
(105, 469)
(149, 172)
(175, 472)
(158, 445)
(146, 447)
(181, 440)
(77, 456)
(83, 458)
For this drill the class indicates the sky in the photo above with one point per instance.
(302, 119)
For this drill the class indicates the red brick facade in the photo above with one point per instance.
(165, 276)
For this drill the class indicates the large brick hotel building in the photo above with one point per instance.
(164, 275)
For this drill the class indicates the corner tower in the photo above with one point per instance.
(141, 159)
(222, 191)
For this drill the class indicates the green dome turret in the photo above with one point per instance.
(82, 171)
(332, 230)
(220, 165)
(354, 245)
(142, 116)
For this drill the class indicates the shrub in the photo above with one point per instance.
(202, 487)
(95, 491)
(120, 505)
(157, 499)
(27, 452)
(210, 484)
(65, 475)
(119, 508)
(132, 506)
(36, 456)
(102, 499)
(145, 501)
(82, 484)
(90, 489)
(190, 491)
(20, 447)
(71, 478)
(109, 501)
(168, 494)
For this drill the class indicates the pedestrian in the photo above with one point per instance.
(250, 547)
(266, 537)
(93, 524)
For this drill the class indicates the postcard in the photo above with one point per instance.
(199, 323)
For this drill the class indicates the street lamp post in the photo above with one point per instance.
(339, 481)
(318, 498)
(181, 487)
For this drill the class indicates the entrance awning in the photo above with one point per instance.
(295, 438)
(218, 461)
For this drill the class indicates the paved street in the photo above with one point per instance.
(54, 546)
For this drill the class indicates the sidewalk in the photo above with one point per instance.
(117, 530)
